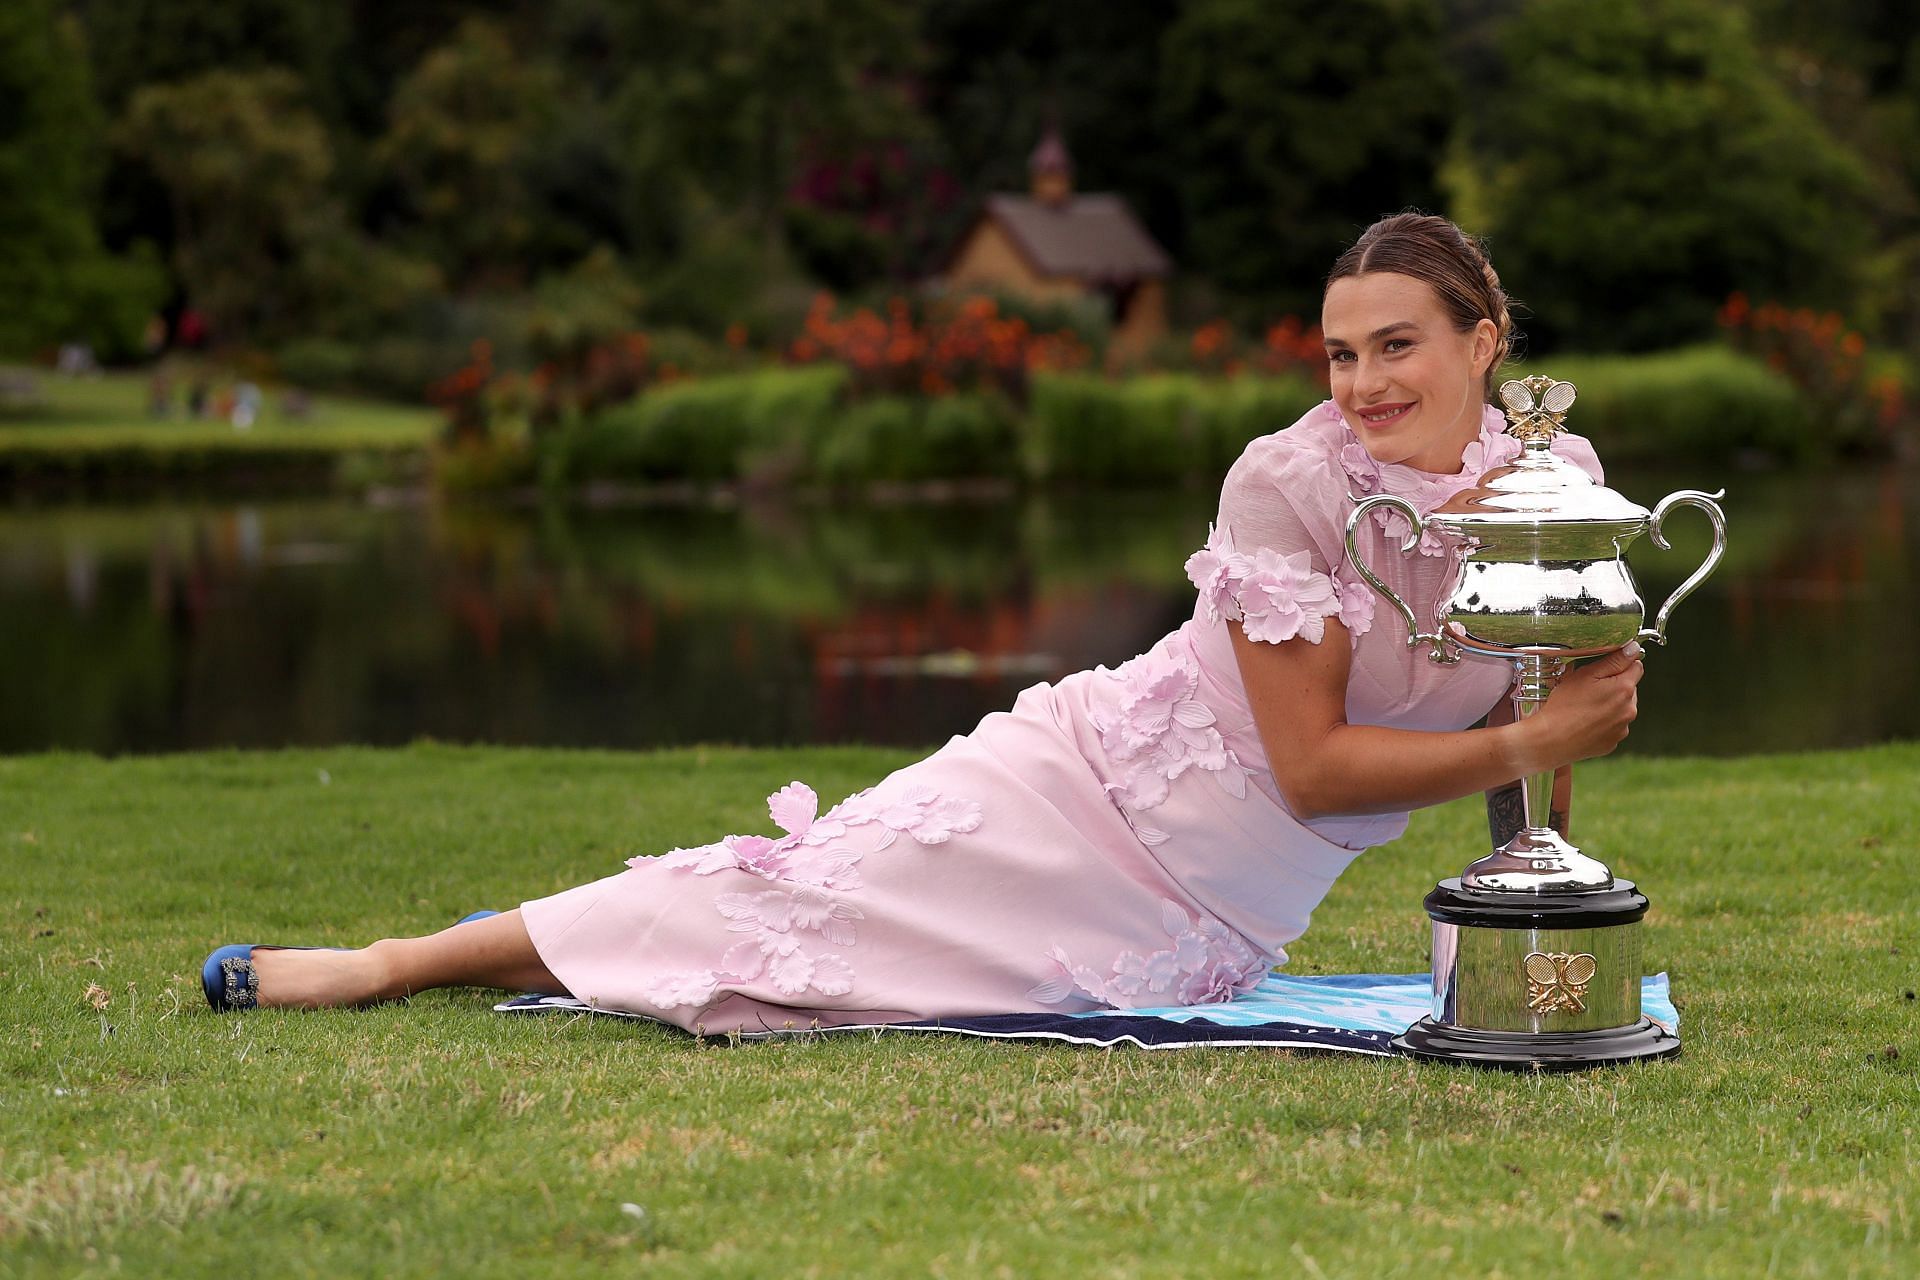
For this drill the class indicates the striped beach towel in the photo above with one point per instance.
(1342, 1013)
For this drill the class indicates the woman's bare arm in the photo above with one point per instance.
(1323, 765)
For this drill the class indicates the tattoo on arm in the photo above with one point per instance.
(1506, 813)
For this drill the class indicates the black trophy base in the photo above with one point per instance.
(1537, 1051)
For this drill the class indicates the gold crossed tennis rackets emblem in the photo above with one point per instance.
(1536, 407)
(1557, 980)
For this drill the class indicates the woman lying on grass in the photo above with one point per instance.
(1147, 836)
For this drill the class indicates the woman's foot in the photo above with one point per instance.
(297, 979)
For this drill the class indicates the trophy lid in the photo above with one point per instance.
(1539, 487)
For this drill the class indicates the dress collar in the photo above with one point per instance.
(1424, 489)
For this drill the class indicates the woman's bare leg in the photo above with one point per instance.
(494, 952)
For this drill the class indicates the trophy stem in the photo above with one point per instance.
(1537, 677)
(1538, 859)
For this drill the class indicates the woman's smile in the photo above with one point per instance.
(1385, 415)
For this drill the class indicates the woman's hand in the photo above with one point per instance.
(1587, 714)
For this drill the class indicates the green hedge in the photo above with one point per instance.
(790, 425)
(896, 438)
(712, 429)
(797, 424)
(1709, 404)
(1153, 429)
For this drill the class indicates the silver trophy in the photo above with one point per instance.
(1536, 946)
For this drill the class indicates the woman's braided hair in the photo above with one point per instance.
(1454, 263)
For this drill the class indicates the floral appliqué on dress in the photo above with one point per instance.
(1207, 963)
(778, 918)
(1153, 724)
(1275, 597)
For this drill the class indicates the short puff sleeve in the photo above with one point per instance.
(1262, 566)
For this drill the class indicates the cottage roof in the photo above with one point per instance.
(1086, 237)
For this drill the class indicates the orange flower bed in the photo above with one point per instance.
(964, 347)
(462, 395)
(1291, 347)
(1823, 357)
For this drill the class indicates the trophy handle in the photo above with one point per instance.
(1439, 651)
(1707, 502)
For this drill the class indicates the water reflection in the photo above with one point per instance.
(167, 627)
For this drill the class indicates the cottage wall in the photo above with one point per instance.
(1145, 321)
(988, 259)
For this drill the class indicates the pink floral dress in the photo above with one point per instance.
(1116, 839)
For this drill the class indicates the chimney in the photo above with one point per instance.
(1050, 170)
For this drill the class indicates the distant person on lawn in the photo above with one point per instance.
(1147, 836)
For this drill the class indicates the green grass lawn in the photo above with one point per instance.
(154, 1138)
(99, 428)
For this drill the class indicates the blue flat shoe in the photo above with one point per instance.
(228, 978)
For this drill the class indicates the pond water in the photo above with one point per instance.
(174, 626)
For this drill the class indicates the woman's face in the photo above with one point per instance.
(1407, 382)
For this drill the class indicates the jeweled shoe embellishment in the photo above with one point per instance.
(240, 984)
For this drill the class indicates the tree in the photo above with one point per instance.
(57, 281)
(725, 100)
(1856, 64)
(1643, 164)
(1295, 127)
(464, 128)
(245, 164)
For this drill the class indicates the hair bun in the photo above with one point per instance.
(1497, 309)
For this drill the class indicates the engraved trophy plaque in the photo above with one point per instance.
(1536, 946)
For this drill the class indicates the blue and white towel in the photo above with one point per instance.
(1349, 1013)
